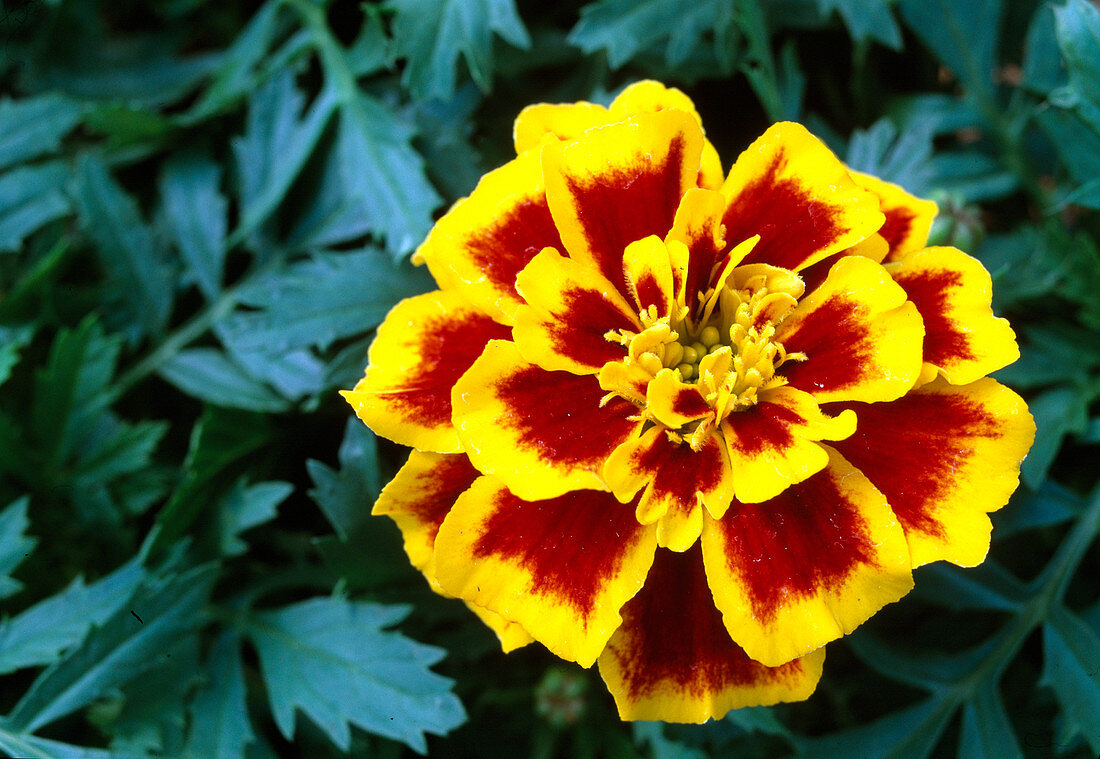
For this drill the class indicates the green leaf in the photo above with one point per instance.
(345, 495)
(948, 29)
(446, 127)
(117, 652)
(220, 728)
(898, 157)
(136, 274)
(1044, 70)
(32, 127)
(867, 19)
(626, 28)
(432, 34)
(30, 198)
(921, 669)
(116, 448)
(1072, 670)
(33, 747)
(383, 173)
(1058, 412)
(907, 734)
(194, 210)
(1077, 24)
(652, 734)
(332, 659)
(315, 302)
(210, 375)
(1050, 504)
(333, 216)
(973, 176)
(43, 632)
(12, 340)
(986, 730)
(245, 507)
(987, 586)
(280, 135)
(14, 544)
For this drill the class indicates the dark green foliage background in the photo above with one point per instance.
(206, 208)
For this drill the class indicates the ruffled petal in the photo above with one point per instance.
(862, 341)
(772, 445)
(806, 567)
(963, 340)
(647, 268)
(562, 567)
(565, 121)
(943, 456)
(542, 433)
(791, 190)
(422, 348)
(678, 482)
(698, 225)
(621, 183)
(570, 308)
(674, 402)
(485, 240)
(672, 659)
(908, 218)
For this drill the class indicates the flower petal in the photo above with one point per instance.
(418, 499)
(561, 567)
(806, 567)
(485, 240)
(772, 445)
(621, 183)
(791, 190)
(953, 292)
(422, 348)
(565, 121)
(674, 402)
(569, 309)
(908, 218)
(698, 225)
(673, 660)
(543, 433)
(943, 456)
(861, 339)
(647, 268)
(677, 481)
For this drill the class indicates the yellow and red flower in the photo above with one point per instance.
(689, 427)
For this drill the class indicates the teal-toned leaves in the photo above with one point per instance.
(194, 212)
(987, 732)
(950, 30)
(334, 660)
(220, 727)
(432, 35)
(210, 375)
(1072, 670)
(30, 198)
(34, 127)
(867, 19)
(910, 733)
(345, 496)
(15, 546)
(245, 507)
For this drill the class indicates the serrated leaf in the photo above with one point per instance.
(40, 634)
(136, 274)
(987, 586)
(33, 747)
(1072, 669)
(867, 19)
(948, 29)
(317, 301)
(245, 507)
(333, 659)
(652, 734)
(907, 734)
(973, 176)
(432, 34)
(30, 198)
(194, 210)
(115, 653)
(922, 669)
(14, 544)
(445, 127)
(280, 135)
(116, 448)
(32, 127)
(897, 156)
(220, 728)
(13, 338)
(986, 730)
(345, 495)
(1057, 413)
(1077, 24)
(209, 375)
(333, 215)
(1050, 504)
(384, 173)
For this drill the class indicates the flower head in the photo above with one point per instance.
(687, 425)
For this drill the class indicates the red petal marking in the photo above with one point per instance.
(620, 207)
(689, 403)
(558, 414)
(899, 223)
(792, 225)
(501, 251)
(449, 345)
(672, 633)
(571, 544)
(679, 472)
(585, 319)
(834, 338)
(944, 342)
(911, 448)
(765, 426)
(804, 540)
(438, 489)
(650, 293)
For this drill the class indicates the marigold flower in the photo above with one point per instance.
(689, 426)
